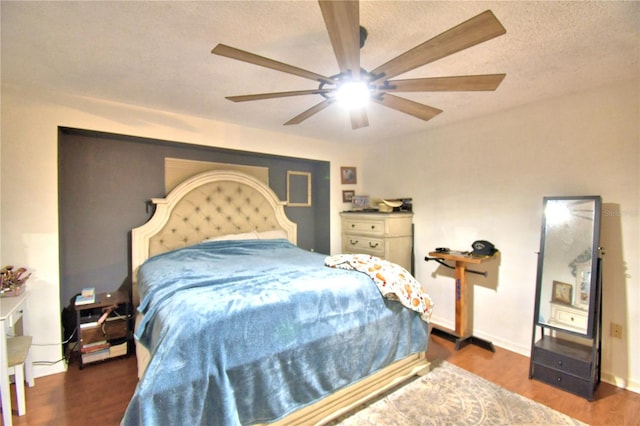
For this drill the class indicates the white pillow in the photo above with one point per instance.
(253, 235)
(272, 235)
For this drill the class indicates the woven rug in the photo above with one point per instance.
(449, 395)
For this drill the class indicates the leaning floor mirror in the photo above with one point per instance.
(568, 264)
(566, 341)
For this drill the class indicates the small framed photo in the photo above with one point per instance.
(359, 202)
(562, 292)
(348, 175)
(347, 196)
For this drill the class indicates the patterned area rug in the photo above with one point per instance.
(449, 395)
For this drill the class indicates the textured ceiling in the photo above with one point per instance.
(157, 55)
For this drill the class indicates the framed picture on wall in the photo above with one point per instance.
(347, 196)
(348, 175)
(562, 292)
(298, 189)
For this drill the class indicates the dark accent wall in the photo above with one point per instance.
(105, 181)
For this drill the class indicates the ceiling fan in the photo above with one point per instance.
(342, 19)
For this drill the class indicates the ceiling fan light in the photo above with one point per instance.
(353, 94)
(557, 213)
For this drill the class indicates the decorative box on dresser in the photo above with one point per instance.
(385, 235)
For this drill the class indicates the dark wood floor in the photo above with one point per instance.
(98, 394)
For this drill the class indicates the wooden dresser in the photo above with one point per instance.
(385, 235)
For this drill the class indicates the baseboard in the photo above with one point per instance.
(630, 385)
(497, 341)
(47, 370)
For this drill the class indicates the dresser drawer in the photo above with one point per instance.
(569, 316)
(360, 244)
(565, 356)
(363, 226)
(581, 387)
(388, 236)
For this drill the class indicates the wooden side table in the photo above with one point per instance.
(103, 327)
(463, 334)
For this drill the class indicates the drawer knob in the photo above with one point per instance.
(353, 243)
(560, 363)
(373, 227)
(558, 379)
(373, 245)
(353, 225)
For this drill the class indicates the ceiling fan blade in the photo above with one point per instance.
(359, 118)
(308, 113)
(260, 96)
(461, 83)
(418, 110)
(241, 55)
(476, 30)
(342, 19)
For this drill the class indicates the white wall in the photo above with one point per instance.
(29, 211)
(485, 179)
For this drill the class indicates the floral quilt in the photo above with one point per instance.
(393, 281)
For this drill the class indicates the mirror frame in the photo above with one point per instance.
(594, 291)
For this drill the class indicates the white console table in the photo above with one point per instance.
(11, 310)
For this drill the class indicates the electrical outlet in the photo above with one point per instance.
(616, 330)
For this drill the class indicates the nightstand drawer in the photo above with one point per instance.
(115, 329)
(362, 226)
(360, 244)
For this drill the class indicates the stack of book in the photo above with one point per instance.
(95, 351)
(87, 296)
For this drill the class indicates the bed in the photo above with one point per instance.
(237, 325)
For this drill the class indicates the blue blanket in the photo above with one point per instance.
(244, 332)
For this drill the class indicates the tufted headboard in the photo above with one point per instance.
(207, 205)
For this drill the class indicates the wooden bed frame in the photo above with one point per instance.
(218, 203)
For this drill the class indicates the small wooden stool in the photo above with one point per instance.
(18, 348)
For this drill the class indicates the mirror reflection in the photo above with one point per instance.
(568, 256)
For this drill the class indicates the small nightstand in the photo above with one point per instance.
(103, 327)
